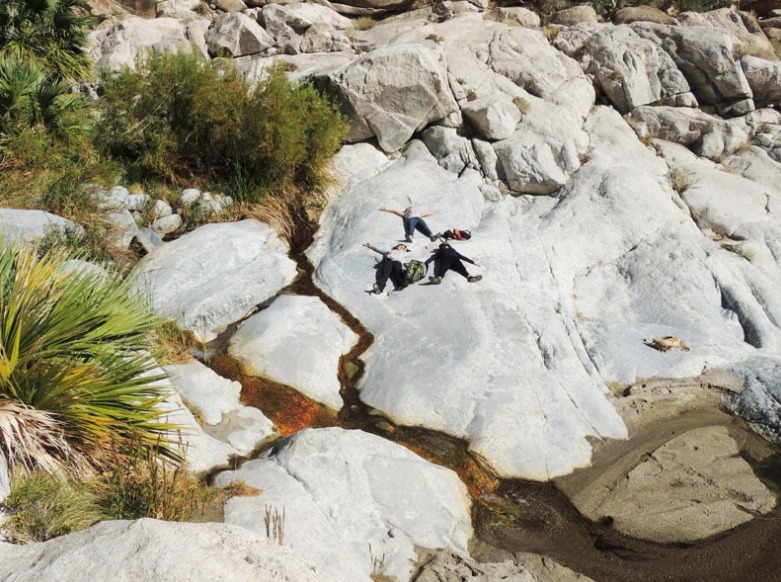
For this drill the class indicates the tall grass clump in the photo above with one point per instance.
(176, 117)
(72, 378)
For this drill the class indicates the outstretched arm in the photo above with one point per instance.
(467, 259)
(376, 250)
(398, 213)
(432, 213)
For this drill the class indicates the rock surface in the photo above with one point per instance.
(30, 226)
(295, 341)
(157, 550)
(350, 498)
(216, 274)
(693, 487)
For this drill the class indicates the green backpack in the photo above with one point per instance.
(416, 270)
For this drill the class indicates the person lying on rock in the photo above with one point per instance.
(413, 222)
(391, 267)
(447, 258)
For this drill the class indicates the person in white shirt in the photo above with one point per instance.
(391, 267)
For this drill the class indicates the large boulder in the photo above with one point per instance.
(575, 15)
(494, 117)
(147, 549)
(233, 34)
(295, 341)
(630, 70)
(740, 25)
(351, 500)
(391, 92)
(216, 274)
(704, 56)
(630, 14)
(764, 77)
(120, 45)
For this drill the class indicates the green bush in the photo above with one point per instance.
(72, 378)
(175, 116)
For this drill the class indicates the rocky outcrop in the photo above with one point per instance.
(392, 92)
(630, 70)
(148, 549)
(353, 500)
(630, 14)
(704, 56)
(764, 77)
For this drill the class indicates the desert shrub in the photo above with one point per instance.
(70, 367)
(175, 116)
(139, 484)
(43, 507)
(680, 180)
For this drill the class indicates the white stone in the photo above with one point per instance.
(452, 151)
(147, 549)
(30, 226)
(167, 224)
(214, 275)
(114, 199)
(137, 202)
(295, 341)
(162, 208)
(349, 496)
(124, 227)
(494, 117)
(764, 77)
(189, 196)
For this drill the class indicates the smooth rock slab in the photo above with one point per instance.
(147, 549)
(295, 341)
(214, 275)
(349, 496)
(693, 487)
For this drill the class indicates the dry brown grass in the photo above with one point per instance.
(240, 488)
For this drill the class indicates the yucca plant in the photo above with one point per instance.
(73, 377)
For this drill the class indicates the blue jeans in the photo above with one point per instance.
(416, 222)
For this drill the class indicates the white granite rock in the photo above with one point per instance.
(494, 117)
(524, 411)
(214, 275)
(147, 549)
(764, 77)
(453, 152)
(167, 224)
(30, 226)
(349, 497)
(392, 92)
(123, 227)
(295, 341)
(630, 70)
(162, 208)
(118, 46)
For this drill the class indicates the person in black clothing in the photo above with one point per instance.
(391, 267)
(447, 258)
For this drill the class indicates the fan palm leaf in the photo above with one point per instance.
(71, 346)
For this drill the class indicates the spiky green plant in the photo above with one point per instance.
(70, 346)
(52, 33)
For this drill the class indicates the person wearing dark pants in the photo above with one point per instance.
(391, 267)
(447, 259)
(413, 222)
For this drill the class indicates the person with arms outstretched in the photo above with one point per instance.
(391, 267)
(447, 258)
(413, 222)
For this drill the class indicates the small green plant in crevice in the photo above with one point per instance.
(169, 344)
(680, 180)
(275, 524)
(522, 105)
(42, 506)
